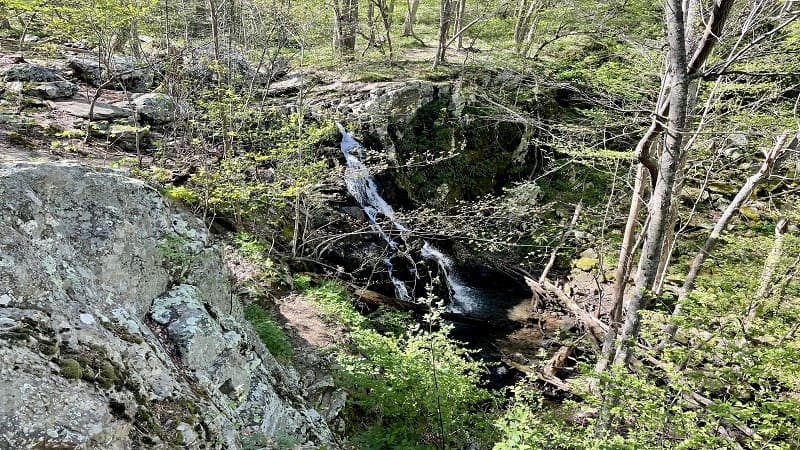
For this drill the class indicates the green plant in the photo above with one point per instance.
(302, 282)
(334, 300)
(181, 194)
(271, 334)
(178, 255)
(250, 246)
(420, 389)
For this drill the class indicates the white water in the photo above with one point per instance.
(362, 187)
(463, 298)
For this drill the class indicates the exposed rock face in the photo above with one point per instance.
(30, 73)
(118, 328)
(53, 90)
(128, 72)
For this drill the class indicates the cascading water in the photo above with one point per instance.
(463, 299)
(361, 186)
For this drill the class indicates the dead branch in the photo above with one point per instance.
(596, 328)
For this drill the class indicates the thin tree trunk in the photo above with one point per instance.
(647, 161)
(445, 17)
(457, 33)
(371, 26)
(770, 266)
(661, 200)
(525, 10)
(345, 26)
(386, 18)
(411, 17)
(623, 270)
(745, 191)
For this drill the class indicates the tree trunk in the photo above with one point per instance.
(386, 10)
(411, 17)
(460, 7)
(345, 14)
(722, 223)
(371, 27)
(445, 17)
(661, 200)
(524, 13)
(765, 287)
(623, 270)
(644, 153)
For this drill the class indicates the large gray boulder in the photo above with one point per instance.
(155, 108)
(127, 72)
(53, 90)
(129, 138)
(27, 72)
(118, 327)
(84, 110)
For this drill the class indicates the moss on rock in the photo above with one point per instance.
(71, 369)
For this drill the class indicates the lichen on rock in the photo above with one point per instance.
(102, 347)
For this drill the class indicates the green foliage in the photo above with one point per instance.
(302, 282)
(179, 257)
(181, 194)
(334, 301)
(250, 246)
(276, 163)
(270, 332)
(411, 387)
(99, 21)
(405, 383)
(643, 416)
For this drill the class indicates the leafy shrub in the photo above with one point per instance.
(334, 301)
(418, 390)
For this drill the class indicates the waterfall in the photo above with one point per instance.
(462, 297)
(361, 186)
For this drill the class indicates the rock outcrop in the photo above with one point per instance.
(119, 328)
(30, 73)
(125, 71)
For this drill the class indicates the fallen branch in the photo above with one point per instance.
(539, 375)
(596, 328)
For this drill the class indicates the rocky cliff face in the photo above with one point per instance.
(118, 326)
(446, 141)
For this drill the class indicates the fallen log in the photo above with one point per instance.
(593, 325)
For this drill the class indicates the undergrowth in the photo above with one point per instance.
(270, 332)
(409, 385)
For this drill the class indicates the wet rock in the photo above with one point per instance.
(53, 90)
(27, 72)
